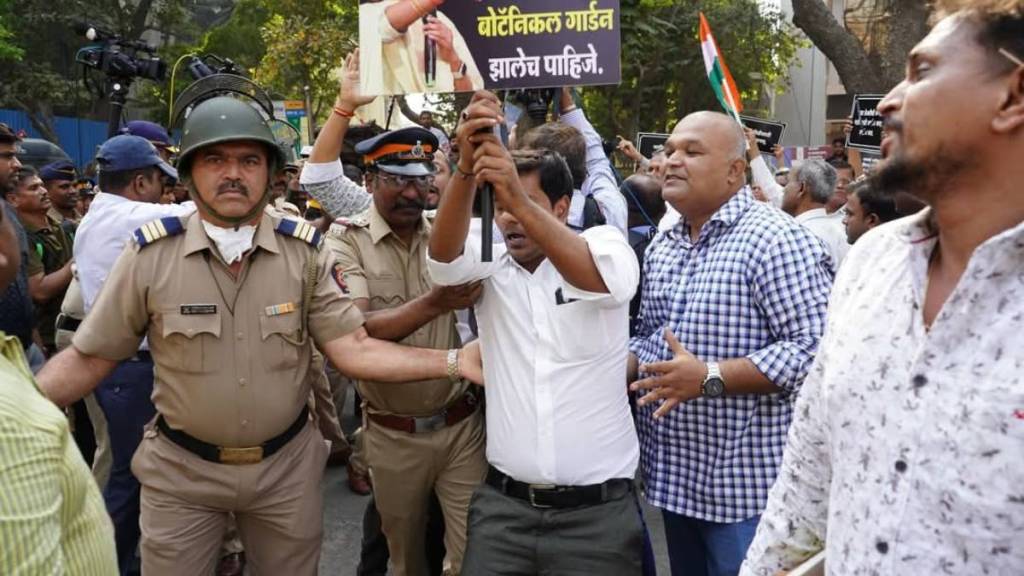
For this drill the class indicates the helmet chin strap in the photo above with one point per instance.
(236, 221)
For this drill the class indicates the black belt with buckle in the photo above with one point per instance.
(554, 496)
(223, 455)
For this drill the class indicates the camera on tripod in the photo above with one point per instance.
(119, 58)
(121, 61)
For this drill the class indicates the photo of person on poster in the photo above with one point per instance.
(409, 46)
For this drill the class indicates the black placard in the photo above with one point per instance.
(867, 123)
(769, 132)
(646, 142)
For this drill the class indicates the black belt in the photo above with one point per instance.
(222, 455)
(553, 496)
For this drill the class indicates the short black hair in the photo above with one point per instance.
(874, 201)
(552, 171)
(7, 136)
(564, 139)
(840, 164)
(22, 174)
(1000, 26)
(114, 182)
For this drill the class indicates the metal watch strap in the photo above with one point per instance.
(714, 371)
(453, 365)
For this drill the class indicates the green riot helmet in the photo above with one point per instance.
(220, 120)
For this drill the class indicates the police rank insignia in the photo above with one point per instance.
(301, 230)
(158, 229)
(338, 272)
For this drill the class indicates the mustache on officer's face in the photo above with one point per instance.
(233, 186)
(420, 205)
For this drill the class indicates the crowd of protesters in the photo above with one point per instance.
(791, 361)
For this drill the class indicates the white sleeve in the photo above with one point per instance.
(338, 195)
(387, 32)
(600, 179)
(764, 178)
(466, 268)
(792, 527)
(616, 262)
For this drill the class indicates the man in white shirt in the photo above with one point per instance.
(811, 185)
(904, 456)
(131, 176)
(553, 326)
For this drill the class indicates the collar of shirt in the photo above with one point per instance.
(55, 214)
(196, 239)
(724, 217)
(380, 229)
(812, 214)
(51, 224)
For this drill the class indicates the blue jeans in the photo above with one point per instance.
(701, 548)
(124, 397)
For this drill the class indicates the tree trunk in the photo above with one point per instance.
(408, 112)
(857, 71)
(41, 117)
(139, 17)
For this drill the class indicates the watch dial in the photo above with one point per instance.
(714, 387)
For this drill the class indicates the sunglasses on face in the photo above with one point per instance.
(422, 183)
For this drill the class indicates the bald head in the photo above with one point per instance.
(721, 128)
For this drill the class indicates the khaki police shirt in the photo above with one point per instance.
(378, 266)
(226, 371)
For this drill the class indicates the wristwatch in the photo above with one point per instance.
(460, 73)
(713, 385)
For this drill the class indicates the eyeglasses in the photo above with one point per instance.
(422, 183)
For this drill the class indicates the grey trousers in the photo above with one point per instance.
(509, 537)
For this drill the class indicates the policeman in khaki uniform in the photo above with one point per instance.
(420, 436)
(232, 300)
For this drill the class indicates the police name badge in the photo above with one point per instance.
(198, 309)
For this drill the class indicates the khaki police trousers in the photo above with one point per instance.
(405, 468)
(277, 504)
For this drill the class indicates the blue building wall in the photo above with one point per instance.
(79, 138)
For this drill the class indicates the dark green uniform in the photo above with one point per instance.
(49, 249)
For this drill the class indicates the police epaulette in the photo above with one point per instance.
(301, 230)
(158, 229)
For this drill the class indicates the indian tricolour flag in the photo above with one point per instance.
(718, 73)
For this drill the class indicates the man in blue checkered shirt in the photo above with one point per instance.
(733, 305)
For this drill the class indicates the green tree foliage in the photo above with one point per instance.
(306, 41)
(663, 76)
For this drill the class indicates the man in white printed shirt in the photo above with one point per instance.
(905, 453)
(553, 326)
